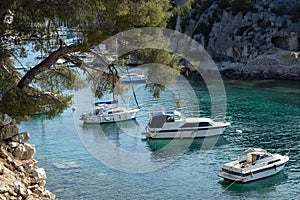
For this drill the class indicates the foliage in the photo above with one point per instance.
(57, 79)
(39, 22)
(162, 69)
(184, 11)
(158, 77)
(23, 103)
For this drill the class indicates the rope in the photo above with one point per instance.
(132, 88)
(226, 188)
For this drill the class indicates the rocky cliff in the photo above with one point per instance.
(242, 35)
(20, 178)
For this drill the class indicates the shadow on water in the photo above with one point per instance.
(291, 84)
(109, 129)
(168, 150)
(119, 127)
(264, 185)
(189, 144)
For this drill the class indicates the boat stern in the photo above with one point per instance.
(230, 177)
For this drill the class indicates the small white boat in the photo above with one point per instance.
(102, 113)
(109, 112)
(169, 125)
(253, 164)
(133, 77)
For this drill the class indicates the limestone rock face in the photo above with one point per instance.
(20, 177)
(5, 120)
(276, 63)
(242, 39)
(24, 151)
(8, 131)
(21, 138)
(273, 64)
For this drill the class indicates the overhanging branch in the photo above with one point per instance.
(44, 65)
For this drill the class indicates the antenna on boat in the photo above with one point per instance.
(137, 103)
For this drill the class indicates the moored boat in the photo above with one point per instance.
(103, 113)
(133, 77)
(169, 125)
(253, 164)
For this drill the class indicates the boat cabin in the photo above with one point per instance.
(115, 111)
(253, 155)
(158, 119)
(99, 110)
(197, 122)
(106, 102)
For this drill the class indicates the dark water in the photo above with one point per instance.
(112, 161)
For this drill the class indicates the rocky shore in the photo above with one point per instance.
(273, 64)
(20, 177)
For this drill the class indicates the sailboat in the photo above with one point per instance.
(104, 113)
(110, 112)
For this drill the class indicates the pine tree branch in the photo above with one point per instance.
(45, 65)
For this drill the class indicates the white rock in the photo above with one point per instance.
(3, 188)
(21, 137)
(5, 119)
(38, 174)
(20, 189)
(13, 144)
(24, 151)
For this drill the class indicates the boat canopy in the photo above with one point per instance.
(158, 119)
(253, 154)
(255, 150)
(106, 102)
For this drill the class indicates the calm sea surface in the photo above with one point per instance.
(112, 161)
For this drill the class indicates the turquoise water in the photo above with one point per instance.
(92, 161)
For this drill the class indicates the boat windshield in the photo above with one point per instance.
(252, 150)
(253, 154)
(174, 115)
(158, 119)
(195, 124)
(115, 111)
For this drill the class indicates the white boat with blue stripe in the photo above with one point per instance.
(105, 112)
(253, 164)
(169, 125)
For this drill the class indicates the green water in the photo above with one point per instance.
(75, 156)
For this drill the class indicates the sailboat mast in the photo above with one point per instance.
(134, 95)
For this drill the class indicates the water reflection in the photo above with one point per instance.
(166, 149)
(260, 187)
(172, 145)
(120, 146)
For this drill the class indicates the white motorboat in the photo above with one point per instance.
(253, 164)
(133, 77)
(103, 113)
(169, 125)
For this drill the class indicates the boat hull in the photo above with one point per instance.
(254, 174)
(100, 119)
(180, 134)
(134, 80)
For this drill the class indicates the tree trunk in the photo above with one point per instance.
(44, 65)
